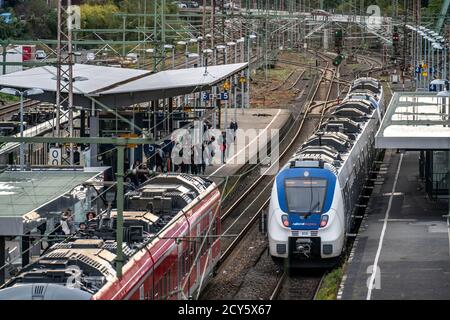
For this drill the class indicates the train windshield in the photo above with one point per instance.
(306, 195)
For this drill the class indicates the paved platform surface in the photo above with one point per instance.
(258, 119)
(410, 247)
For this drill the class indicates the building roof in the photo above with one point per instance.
(26, 195)
(415, 120)
(119, 87)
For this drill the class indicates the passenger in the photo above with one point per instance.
(90, 215)
(143, 174)
(193, 164)
(223, 146)
(159, 160)
(66, 223)
(202, 165)
(211, 152)
(134, 173)
(234, 127)
(82, 226)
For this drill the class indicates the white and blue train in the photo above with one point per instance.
(314, 195)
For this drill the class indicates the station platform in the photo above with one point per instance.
(257, 119)
(405, 234)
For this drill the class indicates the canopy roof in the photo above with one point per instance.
(415, 120)
(26, 197)
(119, 87)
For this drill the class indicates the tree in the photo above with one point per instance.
(13, 30)
(96, 16)
(40, 20)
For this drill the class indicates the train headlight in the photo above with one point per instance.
(285, 220)
(323, 220)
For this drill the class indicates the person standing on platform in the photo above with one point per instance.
(159, 160)
(234, 127)
(193, 164)
(223, 146)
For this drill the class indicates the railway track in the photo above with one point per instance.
(240, 217)
(298, 285)
(246, 210)
(12, 108)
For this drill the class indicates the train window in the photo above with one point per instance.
(155, 292)
(169, 282)
(186, 262)
(305, 195)
(165, 285)
(141, 292)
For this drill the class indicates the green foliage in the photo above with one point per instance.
(99, 16)
(13, 30)
(431, 13)
(7, 98)
(37, 19)
(330, 285)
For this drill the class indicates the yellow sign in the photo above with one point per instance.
(128, 136)
(242, 80)
(425, 74)
(226, 86)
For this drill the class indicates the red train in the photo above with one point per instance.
(171, 246)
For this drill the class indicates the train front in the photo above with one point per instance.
(305, 219)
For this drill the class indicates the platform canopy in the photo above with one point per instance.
(28, 197)
(415, 120)
(121, 87)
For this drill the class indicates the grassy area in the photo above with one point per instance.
(279, 74)
(7, 99)
(330, 285)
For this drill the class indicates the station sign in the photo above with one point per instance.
(224, 96)
(54, 157)
(205, 96)
(432, 88)
(150, 149)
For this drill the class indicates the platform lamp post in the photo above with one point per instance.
(445, 95)
(241, 42)
(152, 54)
(420, 34)
(200, 49)
(22, 94)
(233, 44)
(209, 38)
(251, 39)
(172, 53)
(185, 44)
(192, 41)
(205, 54)
(223, 48)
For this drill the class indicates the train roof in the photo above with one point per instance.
(370, 84)
(331, 144)
(150, 210)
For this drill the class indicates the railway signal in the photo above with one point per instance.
(338, 60)
(338, 40)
